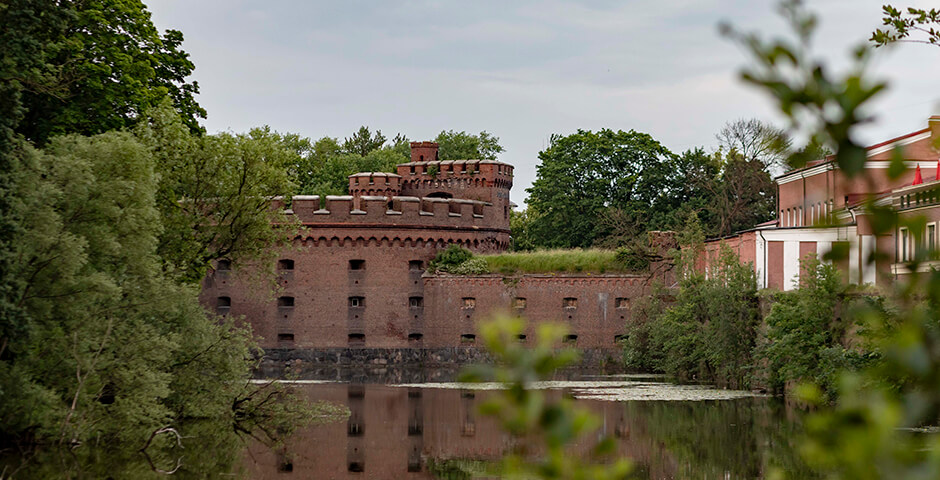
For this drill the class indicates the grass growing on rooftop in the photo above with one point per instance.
(592, 260)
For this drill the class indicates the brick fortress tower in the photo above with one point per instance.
(353, 276)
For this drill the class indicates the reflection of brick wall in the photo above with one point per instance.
(393, 432)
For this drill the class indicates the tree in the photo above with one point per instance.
(744, 195)
(215, 193)
(753, 139)
(102, 64)
(585, 173)
(464, 146)
(364, 142)
(918, 21)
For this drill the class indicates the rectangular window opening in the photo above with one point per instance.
(570, 302)
(416, 302)
(357, 264)
(469, 302)
(223, 265)
(285, 264)
(571, 338)
(285, 338)
(623, 302)
(285, 302)
(519, 303)
(468, 338)
(415, 337)
(357, 302)
(415, 265)
(357, 339)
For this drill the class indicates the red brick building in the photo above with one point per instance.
(819, 206)
(355, 275)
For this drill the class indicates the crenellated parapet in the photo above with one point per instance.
(374, 184)
(480, 173)
(394, 212)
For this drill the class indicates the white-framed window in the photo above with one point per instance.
(932, 240)
(904, 244)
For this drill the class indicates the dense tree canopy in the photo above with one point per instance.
(465, 146)
(607, 188)
(585, 173)
(96, 65)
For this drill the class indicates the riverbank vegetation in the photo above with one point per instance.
(114, 203)
(460, 261)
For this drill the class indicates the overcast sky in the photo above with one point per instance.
(519, 70)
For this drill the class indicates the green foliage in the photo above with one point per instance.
(458, 261)
(917, 21)
(875, 428)
(805, 335)
(215, 193)
(573, 260)
(110, 347)
(639, 350)
(455, 145)
(323, 167)
(707, 334)
(542, 430)
(92, 66)
(519, 224)
(364, 141)
(583, 174)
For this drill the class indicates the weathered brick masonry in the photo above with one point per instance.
(355, 275)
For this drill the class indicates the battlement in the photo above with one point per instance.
(374, 184)
(454, 168)
(393, 211)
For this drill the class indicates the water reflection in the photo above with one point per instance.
(410, 432)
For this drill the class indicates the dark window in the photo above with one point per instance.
(412, 169)
(571, 338)
(287, 338)
(416, 302)
(521, 338)
(223, 264)
(570, 302)
(357, 264)
(285, 264)
(285, 301)
(284, 463)
(415, 265)
(357, 339)
(623, 302)
(357, 467)
(223, 302)
(620, 338)
(357, 302)
(415, 337)
(468, 338)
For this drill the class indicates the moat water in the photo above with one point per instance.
(430, 430)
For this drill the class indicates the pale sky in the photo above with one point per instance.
(520, 70)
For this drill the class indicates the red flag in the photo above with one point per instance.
(917, 178)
